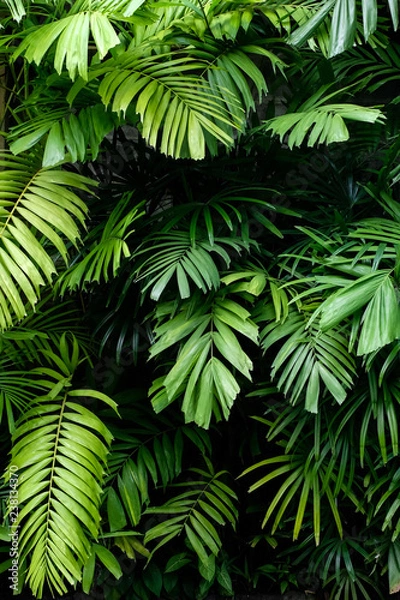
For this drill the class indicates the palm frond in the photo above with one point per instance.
(39, 211)
(372, 68)
(324, 124)
(234, 75)
(230, 211)
(143, 456)
(314, 471)
(174, 254)
(43, 329)
(204, 380)
(108, 249)
(177, 106)
(71, 33)
(222, 20)
(345, 20)
(301, 21)
(60, 449)
(72, 136)
(18, 391)
(198, 513)
(380, 319)
(309, 358)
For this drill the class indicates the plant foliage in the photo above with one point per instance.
(199, 298)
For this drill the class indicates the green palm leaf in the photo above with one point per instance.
(107, 250)
(322, 124)
(17, 9)
(380, 320)
(143, 456)
(308, 359)
(346, 17)
(18, 391)
(198, 513)
(70, 36)
(60, 449)
(70, 135)
(233, 75)
(223, 20)
(38, 212)
(176, 104)
(204, 370)
(313, 474)
(174, 255)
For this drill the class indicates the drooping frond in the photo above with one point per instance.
(309, 360)
(176, 104)
(345, 19)
(40, 333)
(72, 32)
(313, 472)
(145, 455)
(173, 255)
(321, 123)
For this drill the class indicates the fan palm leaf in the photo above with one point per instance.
(309, 358)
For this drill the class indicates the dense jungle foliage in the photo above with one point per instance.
(199, 298)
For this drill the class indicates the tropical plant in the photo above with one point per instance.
(199, 297)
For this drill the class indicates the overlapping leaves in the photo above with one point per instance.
(322, 124)
(144, 456)
(233, 74)
(230, 210)
(70, 135)
(177, 106)
(314, 470)
(380, 319)
(107, 251)
(345, 19)
(71, 33)
(175, 255)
